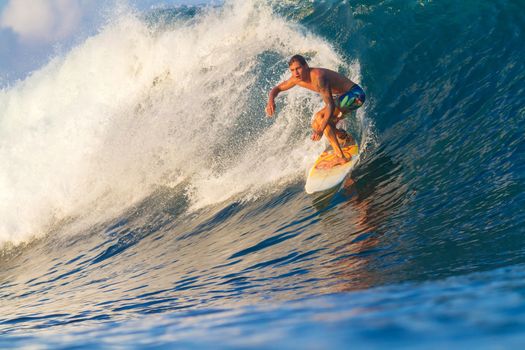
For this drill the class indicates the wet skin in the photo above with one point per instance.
(326, 83)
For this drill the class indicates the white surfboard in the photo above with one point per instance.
(323, 178)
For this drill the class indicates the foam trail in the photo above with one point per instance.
(137, 106)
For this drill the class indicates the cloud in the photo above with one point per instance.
(42, 20)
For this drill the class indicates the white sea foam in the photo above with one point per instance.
(135, 107)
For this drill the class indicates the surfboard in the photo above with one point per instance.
(321, 178)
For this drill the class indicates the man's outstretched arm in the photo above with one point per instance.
(285, 85)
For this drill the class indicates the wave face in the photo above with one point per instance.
(144, 104)
(145, 196)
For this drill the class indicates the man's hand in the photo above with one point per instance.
(270, 108)
(316, 135)
(317, 132)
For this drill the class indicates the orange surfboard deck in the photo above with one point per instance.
(323, 176)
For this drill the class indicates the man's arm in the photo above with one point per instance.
(285, 85)
(326, 93)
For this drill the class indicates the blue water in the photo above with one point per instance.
(423, 248)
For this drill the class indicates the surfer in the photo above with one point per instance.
(340, 96)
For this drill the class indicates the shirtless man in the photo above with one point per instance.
(348, 97)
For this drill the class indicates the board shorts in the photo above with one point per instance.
(350, 100)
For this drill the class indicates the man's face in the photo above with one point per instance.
(297, 70)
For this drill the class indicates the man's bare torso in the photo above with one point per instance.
(338, 83)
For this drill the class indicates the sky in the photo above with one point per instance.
(34, 31)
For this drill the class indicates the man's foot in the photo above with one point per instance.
(339, 161)
(330, 163)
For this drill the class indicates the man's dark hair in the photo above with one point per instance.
(297, 58)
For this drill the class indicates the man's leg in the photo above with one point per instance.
(344, 138)
(329, 132)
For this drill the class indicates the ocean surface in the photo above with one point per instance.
(147, 202)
